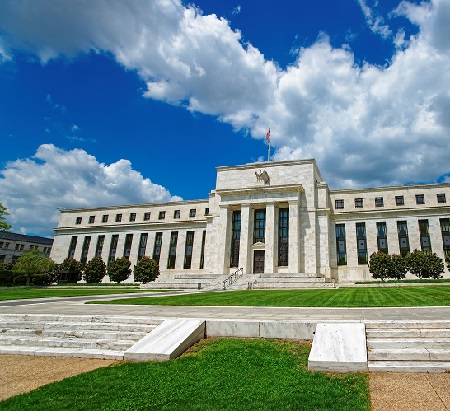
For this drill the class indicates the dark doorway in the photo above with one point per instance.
(258, 261)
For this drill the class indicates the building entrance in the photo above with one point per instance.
(258, 261)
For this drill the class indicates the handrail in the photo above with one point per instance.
(233, 278)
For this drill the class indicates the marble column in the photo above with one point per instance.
(246, 239)
(294, 240)
(270, 239)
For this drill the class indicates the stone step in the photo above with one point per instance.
(175, 286)
(292, 280)
(62, 352)
(296, 285)
(36, 341)
(409, 354)
(399, 343)
(409, 333)
(409, 366)
(407, 324)
(198, 277)
(290, 275)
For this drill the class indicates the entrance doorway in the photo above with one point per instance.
(258, 261)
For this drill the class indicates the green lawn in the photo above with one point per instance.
(32, 292)
(341, 297)
(224, 374)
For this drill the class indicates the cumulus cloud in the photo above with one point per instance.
(365, 124)
(55, 178)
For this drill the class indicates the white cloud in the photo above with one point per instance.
(365, 125)
(54, 178)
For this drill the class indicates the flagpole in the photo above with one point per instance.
(268, 151)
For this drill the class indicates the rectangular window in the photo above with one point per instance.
(207, 211)
(358, 203)
(202, 252)
(379, 202)
(22, 246)
(146, 216)
(338, 204)
(6, 245)
(176, 214)
(99, 246)
(425, 242)
(283, 237)
(235, 238)
(72, 247)
(142, 245)
(127, 246)
(157, 247)
(188, 249)
(161, 215)
(341, 252)
(1, 244)
(105, 218)
(259, 230)
(172, 250)
(441, 198)
(399, 201)
(420, 199)
(132, 217)
(85, 249)
(361, 241)
(118, 218)
(382, 237)
(79, 220)
(91, 219)
(403, 239)
(445, 230)
(192, 212)
(113, 247)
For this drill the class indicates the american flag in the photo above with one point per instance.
(268, 135)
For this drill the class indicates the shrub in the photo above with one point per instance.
(32, 263)
(146, 270)
(119, 270)
(41, 279)
(20, 279)
(70, 268)
(6, 275)
(425, 265)
(95, 270)
(399, 266)
(380, 265)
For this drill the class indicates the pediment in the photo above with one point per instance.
(259, 246)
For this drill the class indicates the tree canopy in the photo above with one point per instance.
(4, 226)
(33, 263)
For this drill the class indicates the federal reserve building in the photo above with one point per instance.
(276, 223)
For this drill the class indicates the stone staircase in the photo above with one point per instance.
(408, 346)
(72, 336)
(290, 281)
(183, 282)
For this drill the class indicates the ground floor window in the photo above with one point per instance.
(188, 249)
(172, 250)
(283, 237)
(341, 252)
(235, 238)
(361, 240)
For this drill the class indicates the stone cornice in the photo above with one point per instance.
(276, 189)
(391, 213)
(388, 188)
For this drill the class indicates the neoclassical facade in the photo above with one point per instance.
(272, 219)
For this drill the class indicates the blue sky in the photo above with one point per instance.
(118, 102)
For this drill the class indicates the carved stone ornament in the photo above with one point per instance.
(262, 177)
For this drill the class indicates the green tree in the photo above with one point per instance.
(119, 269)
(4, 226)
(71, 268)
(33, 263)
(399, 266)
(146, 270)
(425, 265)
(94, 271)
(380, 265)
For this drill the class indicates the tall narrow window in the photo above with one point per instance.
(127, 246)
(341, 252)
(260, 226)
(235, 238)
(142, 245)
(176, 214)
(105, 218)
(283, 236)
(99, 246)
(403, 238)
(85, 249)
(92, 219)
(72, 247)
(113, 247)
(382, 237)
(202, 252)
(157, 247)
(361, 240)
(188, 249)
(445, 230)
(172, 250)
(425, 242)
(132, 216)
(118, 218)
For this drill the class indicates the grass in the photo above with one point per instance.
(342, 297)
(421, 281)
(224, 374)
(132, 285)
(33, 292)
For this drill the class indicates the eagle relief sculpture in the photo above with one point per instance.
(262, 177)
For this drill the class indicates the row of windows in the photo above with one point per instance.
(379, 201)
(189, 244)
(146, 216)
(382, 243)
(20, 247)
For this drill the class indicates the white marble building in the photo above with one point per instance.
(272, 219)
